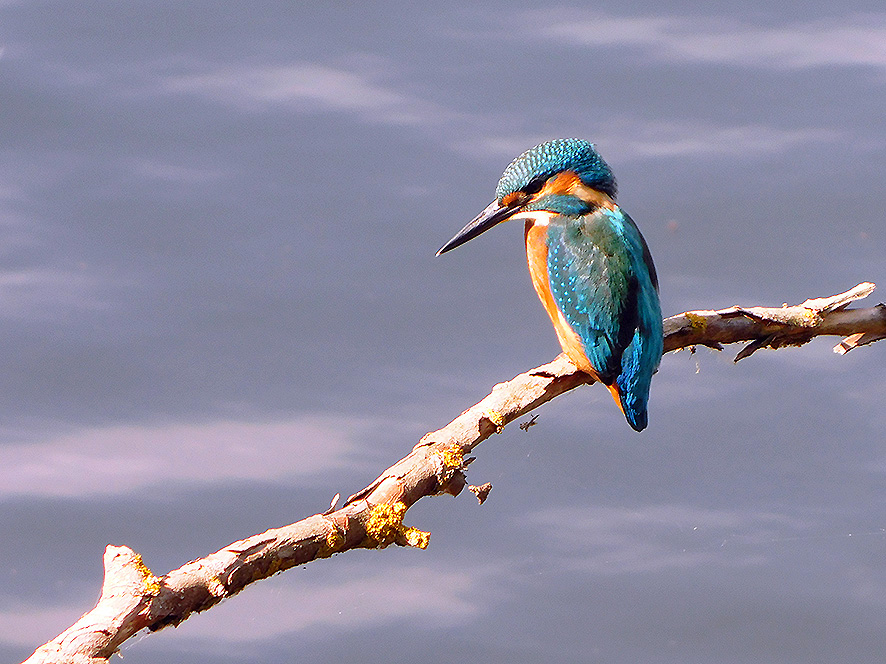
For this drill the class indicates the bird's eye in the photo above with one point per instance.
(523, 195)
(534, 186)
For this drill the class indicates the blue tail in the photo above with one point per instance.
(641, 359)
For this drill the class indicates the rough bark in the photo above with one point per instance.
(133, 599)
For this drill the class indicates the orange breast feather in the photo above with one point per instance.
(537, 258)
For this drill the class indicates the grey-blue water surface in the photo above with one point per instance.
(220, 306)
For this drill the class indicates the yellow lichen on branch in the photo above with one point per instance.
(497, 419)
(452, 457)
(151, 582)
(384, 526)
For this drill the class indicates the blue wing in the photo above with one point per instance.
(603, 280)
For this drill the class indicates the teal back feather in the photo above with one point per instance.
(603, 280)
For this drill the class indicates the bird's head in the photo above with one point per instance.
(564, 176)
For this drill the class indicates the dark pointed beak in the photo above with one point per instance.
(492, 215)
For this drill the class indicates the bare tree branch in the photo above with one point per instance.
(133, 598)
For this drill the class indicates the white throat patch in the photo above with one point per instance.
(537, 217)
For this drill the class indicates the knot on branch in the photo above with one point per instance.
(498, 420)
(216, 588)
(334, 539)
(449, 462)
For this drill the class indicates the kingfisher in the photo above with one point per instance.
(589, 264)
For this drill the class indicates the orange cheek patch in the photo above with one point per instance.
(568, 183)
(564, 183)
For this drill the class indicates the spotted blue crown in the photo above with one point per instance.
(543, 161)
